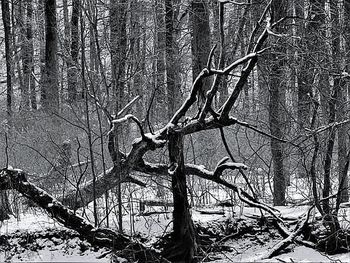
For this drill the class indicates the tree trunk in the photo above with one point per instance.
(341, 105)
(276, 108)
(160, 98)
(183, 242)
(200, 44)
(29, 96)
(170, 59)
(5, 8)
(50, 88)
(5, 210)
(72, 72)
(118, 38)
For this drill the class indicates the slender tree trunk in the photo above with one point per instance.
(341, 106)
(72, 73)
(50, 88)
(26, 56)
(118, 11)
(29, 96)
(41, 33)
(160, 46)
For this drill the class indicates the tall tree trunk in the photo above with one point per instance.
(170, 58)
(160, 46)
(308, 54)
(219, 37)
(184, 245)
(118, 11)
(5, 8)
(29, 96)
(277, 90)
(23, 36)
(41, 35)
(200, 44)
(72, 73)
(50, 88)
(341, 106)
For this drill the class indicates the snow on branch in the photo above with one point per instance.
(233, 2)
(290, 238)
(224, 165)
(17, 180)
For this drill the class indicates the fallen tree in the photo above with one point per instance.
(183, 245)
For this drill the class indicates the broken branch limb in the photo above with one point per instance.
(103, 182)
(288, 240)
(16, 179)
(129, 117)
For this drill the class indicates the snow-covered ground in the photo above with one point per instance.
(247, 248)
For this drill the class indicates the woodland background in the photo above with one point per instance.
(69, 67)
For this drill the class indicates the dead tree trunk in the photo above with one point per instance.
(16, 179)
(183, 245)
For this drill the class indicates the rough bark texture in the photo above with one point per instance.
(5, 209)
(170, 58)
(200, 44)
(50, 89)
(5, 9)
(183, 236)
(276, 107)
(72, 64)
(342, 107)
(16, 179)
(160, 83)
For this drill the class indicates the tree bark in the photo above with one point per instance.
(183, 237)
(50, 88)
(72, 72)
(5, 209)
(118, 12)
(276, 109)
(200, 44)
(29, 94)
(16, 179)
(160, 83)
(5, 8)
(170, 59)
(340, 57)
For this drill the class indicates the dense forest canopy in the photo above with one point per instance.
(177, 103)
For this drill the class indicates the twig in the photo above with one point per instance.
(128, 106)
(233, 159)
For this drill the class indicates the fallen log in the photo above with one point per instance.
(17, 180)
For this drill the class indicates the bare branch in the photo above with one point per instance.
(233, 2)
(252, 127)
(126, 118)
(225, 110)
(224, 165)
(127, 106)
(210, 58)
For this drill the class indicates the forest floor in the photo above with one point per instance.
(34, 236)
